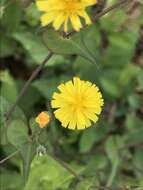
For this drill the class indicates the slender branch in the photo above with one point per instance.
(102, 13)
(10, 156)
(108, 9)
(67, 167)
(26, 86)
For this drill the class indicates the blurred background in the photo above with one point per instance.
(108, 154)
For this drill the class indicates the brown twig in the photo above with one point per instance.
(102, 13)
(108, 9)
(28, 83)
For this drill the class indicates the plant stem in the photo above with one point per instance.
(26, 86)
(102, 13)
(113, 173)
(26, 162)
(108, 9)
(10, 156)
(66, 166)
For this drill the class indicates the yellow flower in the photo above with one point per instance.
(78, 103)
(59, 12)
(43, 119)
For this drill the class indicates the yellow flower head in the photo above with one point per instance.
(78, 103)
(43, 119)
(59, 12)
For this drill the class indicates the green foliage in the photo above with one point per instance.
(55, 176)
(107, 154)
(4, 108)
(10, 180)
(70, 46)
(32, 44)
(27, 152)
(17, 133)
(7, 48)
(8, 87)
(12, 17)
(92, 136)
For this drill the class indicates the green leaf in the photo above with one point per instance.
(111, 87)
(138, 160)
(85, 70)
(12, 16)
(88, 183)
(140, 79)
(46, 87)
(32, 14)
(17, 133)
(47, 174)
(135, 101)
(8, 86)
(10, 180)
(133, 121)
(7, 46)
(4, 108)
(67, 46)
(29, 40)
(95, 163)
(134, 136)
(91, 136)
(32, 97)
(87, 140)
(120, 49)
(111, 149)
(129, 73)
(32, 44)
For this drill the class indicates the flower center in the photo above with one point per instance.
(71, 6)
(78, 103)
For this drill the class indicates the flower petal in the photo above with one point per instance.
(76, 22)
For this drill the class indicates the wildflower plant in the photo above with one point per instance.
(87, 63)
(79, 102)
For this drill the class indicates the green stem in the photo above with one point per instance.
(113, 174)
(26, 163)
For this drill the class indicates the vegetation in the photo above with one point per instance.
(109, 53)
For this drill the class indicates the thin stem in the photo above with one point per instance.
(67, 167)
(28, 83)
(108, 9)
(10, 156)
(26, 163)
(113, 173)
